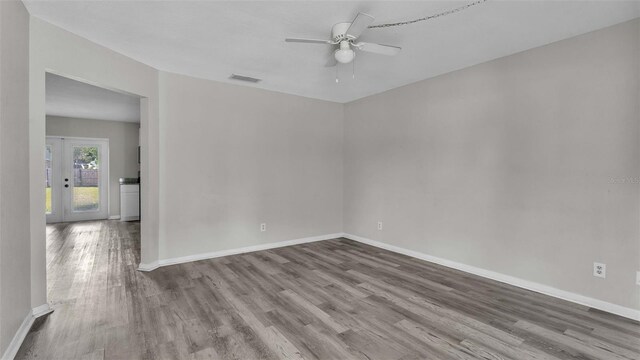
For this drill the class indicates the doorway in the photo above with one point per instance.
(76, 179)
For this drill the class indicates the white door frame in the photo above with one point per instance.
(62, 167)
(56, 214)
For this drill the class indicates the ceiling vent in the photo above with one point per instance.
(244, 78)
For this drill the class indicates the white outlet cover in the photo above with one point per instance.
(263, 227)
(379, 225)
(637, 277)
(599, 270)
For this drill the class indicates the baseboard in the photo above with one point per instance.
(114, 217)
(148, 267)
(511, 280)
(23, 330)
(236, 251)
(41, 310)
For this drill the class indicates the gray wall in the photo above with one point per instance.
(123, 147)
(518, 165)
(14, 170)
(259, 156)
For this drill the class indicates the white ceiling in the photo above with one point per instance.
(213, 39)
(70, 98)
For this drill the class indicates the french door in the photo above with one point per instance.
(76, 179)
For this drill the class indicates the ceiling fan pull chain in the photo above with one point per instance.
(353, 69)
(337, 80)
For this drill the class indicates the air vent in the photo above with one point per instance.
(244, 78)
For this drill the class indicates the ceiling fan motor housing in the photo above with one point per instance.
(339, 30)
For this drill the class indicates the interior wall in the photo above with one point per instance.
(235, 157)
(55, 50)
(14, 175)
(526, 165)
(123, 147)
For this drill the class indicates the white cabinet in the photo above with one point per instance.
(129, 202)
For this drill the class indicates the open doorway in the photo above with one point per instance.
(92, 192)
(92, 146)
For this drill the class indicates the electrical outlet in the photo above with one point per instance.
(263, 227)
(599, 270)
(379, 225)
(637, 277)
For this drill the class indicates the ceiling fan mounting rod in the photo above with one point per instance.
(339, 32)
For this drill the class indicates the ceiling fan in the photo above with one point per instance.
(345, 35)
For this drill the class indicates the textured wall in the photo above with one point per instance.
(263, 157)
(14, 172)
(519, 165)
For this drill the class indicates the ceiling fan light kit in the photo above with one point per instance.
(344, 55)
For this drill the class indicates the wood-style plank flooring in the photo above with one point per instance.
(334, 299)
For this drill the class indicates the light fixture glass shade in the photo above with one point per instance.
(344, 56)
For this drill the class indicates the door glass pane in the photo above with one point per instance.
(86, 178)
(48, 173)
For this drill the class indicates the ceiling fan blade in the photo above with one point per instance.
(378, 48)
(309, 41)
(359, 24)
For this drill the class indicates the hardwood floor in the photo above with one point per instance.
(334, 299)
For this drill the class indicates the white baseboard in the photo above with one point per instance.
(148, 267)
(511, 280)
(23, 330)
(114, 217)
(184, 259)
(41, 310)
